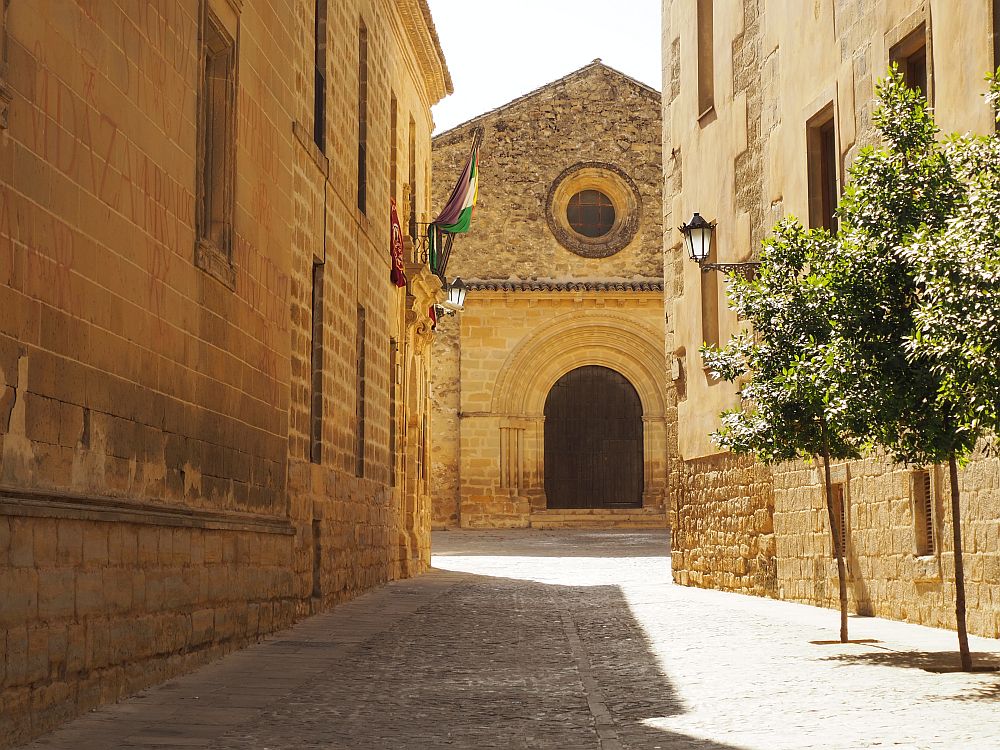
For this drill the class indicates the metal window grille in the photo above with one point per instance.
(591, 213)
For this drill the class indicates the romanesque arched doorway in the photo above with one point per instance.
(593, 441)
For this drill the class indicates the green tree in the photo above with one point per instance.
(888, 335)
(911, 204)
(791, 405)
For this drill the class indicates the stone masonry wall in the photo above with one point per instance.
(592, 115)
(757, 125)
(158, 505)
(886, 575)
(488, 404)
(723, 533)
(446, 405)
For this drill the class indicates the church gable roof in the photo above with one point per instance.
(577, 75)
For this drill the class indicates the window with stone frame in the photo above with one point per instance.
(412, 177)
(706, 55)
(841, 514)
(359, 445)
(823, 163)
(316, 368)
(216, 176)
(911, 55)
(319, 75)
(393, 145)
(6, 94)
(362, 118)
(922, 501)
(393, 354)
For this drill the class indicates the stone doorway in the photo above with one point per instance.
(593, 441)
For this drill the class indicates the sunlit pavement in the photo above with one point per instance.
(556, 639)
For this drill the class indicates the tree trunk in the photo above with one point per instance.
(838, 552)
(956, 525)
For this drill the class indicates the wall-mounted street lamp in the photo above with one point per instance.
(456, 296)
(698, 235)
(456, 293)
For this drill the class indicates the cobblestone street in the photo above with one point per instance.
(560, 639)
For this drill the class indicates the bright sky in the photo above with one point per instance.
(501, 49)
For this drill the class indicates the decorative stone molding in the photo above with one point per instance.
(419, 27)
(53, 504)
(616, 185)
(213, 261)
(574, 340)
(477, 285)
(423, 290)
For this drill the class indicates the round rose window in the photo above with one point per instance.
(590, 213)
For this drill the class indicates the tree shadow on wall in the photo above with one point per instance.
(498, 663)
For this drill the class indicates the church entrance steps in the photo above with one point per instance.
(599, 518)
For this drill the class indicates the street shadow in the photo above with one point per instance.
(498, 663)
(984, 694)
(938, 662)
(602, 543)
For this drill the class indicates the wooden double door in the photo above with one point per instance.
(593, 441)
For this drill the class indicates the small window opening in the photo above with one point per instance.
(824, 171)
(591, 213)
(362, 118)
(412, 177)
(706, 57)
(217, 136)
(392, 412)
(316, 368)
(923, 511)
(319, 75)
(359, 447)
(911, 55)
(840, 515)
(393, 145)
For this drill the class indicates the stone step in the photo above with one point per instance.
(592, 518)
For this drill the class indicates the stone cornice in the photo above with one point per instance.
(419, 26)
(487, 285)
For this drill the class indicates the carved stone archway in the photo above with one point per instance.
(568, 342)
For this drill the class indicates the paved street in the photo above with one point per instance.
(558, 639)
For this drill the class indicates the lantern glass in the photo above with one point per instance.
(456, 293)
(698, 238)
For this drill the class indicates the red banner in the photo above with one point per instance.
(397, 275)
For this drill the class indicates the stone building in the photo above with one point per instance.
(761, 101)
(212, 399)
(550, 404)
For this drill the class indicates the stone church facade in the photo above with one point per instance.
(550, 404)
(213, 402)
(759, 99)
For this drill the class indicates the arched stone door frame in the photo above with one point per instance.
(570, 341)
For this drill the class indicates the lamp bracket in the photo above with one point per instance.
(748, 269)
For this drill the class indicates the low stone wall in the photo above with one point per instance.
(723, 528)
(96, 604)
(886, 576)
